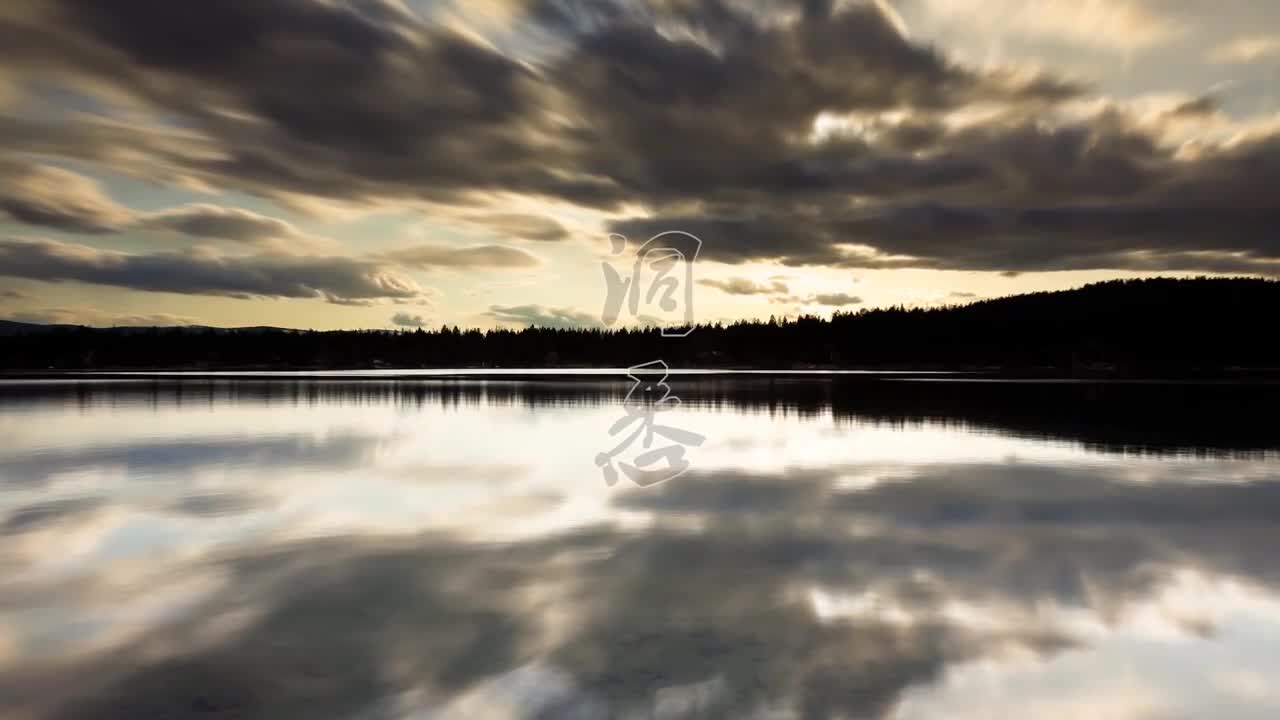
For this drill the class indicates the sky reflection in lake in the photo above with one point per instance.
(447, 549)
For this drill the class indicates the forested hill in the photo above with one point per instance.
(1141, 327)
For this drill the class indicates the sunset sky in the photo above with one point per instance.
(394, 163)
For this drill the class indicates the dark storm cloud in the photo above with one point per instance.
(265, 275)
(1010, 194)
(1151, 238)
(698, 112)
(674, 120)
(944, 237)
(742, 239)
(340, 99)
(1080, 197)
(351, 99)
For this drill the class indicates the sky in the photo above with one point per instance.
(403, 163)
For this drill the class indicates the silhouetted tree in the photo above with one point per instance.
(1134, 327)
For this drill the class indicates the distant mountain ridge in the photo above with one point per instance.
(12, 327)
(9, 328)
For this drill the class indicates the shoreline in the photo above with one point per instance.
(966, 375)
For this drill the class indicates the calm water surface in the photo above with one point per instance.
(841, 547)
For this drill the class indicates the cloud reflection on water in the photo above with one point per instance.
(390, 552)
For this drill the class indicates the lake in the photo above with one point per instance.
(856, 546)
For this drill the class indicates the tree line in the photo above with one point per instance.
(1133, 327)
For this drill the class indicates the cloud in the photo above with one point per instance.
(13, 295)
(48, 513)
(293, 95)
(218, 504)
(336, 279)
(324, 112)
(1120, 25)
(99, 318)
(728, 116)
(744, 286)
(1247, 49)
(63, 200)
(477, 256)
(814, 133)
(524, 226)
(779, 293)
(1084, 237)
(57, 198)
(1018, 197)
(404, 319)
(1201, 106)
(962, 295)
(835, 299)
(539, 316)
(222, 223)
